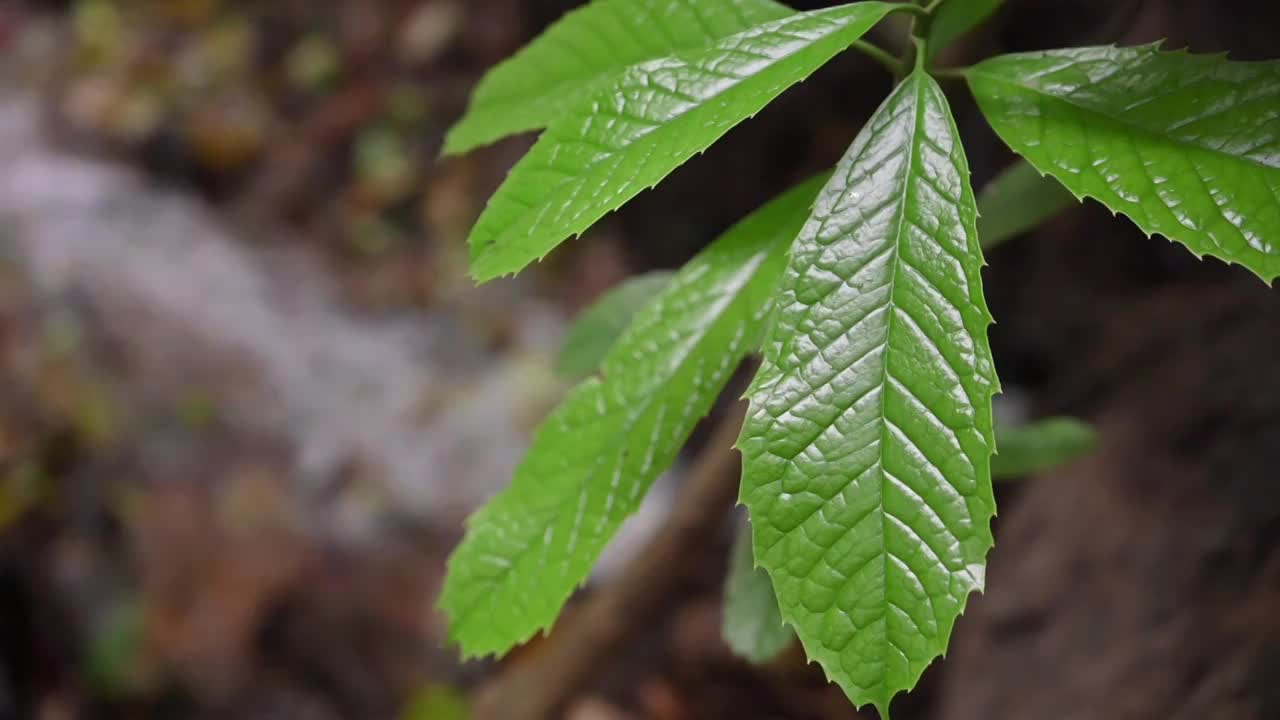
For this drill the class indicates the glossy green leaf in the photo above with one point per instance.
(954, 18)
(596, 328)
(866, 453)
(589, 49)
(1187, 146)
(752, 625)
(594, 458)
(657, 116)
(1016, 201)
(1039, 446)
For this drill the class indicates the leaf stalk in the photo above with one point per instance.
(951, 73)
(882, 56)
(920, 25)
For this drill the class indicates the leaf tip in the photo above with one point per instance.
(449, 150)
(456, 142)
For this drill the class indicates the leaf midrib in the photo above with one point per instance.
(1141, 129)
(909, 171)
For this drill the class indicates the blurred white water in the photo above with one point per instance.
(413, 398)
(432, 413)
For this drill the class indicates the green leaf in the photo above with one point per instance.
(866, 453)
(1039, 446)
(1187, 146)
(597, 327)
(1017, 200)
(752, 626)
(954, 18)
(116, 661)
(657, 116)
(594, 458)
(589, 49)
(436, 702)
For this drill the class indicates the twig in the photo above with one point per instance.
(951, 73)
(537, 687)
(882, 56)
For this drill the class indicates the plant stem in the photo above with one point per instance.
(922, 52)
(882, 56)
(917, 50)
(951, 73)
(535, 687)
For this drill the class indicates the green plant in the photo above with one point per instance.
(867, 450)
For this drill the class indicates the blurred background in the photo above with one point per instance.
(249, 393)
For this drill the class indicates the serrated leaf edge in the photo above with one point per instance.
(993, 387)
(1156, 46)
